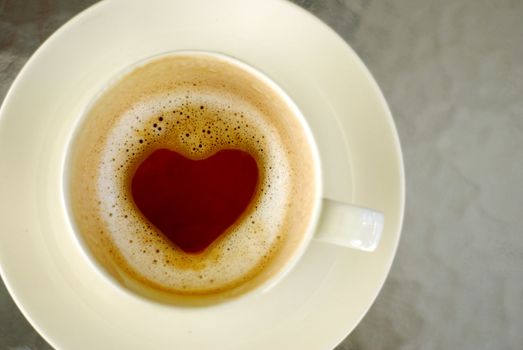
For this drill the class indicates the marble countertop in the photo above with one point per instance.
(452, 74)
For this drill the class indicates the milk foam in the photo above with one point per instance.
(212, 121)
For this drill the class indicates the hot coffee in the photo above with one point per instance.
(192, 176)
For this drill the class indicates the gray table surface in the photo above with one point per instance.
(452, 72)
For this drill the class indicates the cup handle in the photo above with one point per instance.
(349, 226)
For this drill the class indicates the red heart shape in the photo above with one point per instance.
(192, 202)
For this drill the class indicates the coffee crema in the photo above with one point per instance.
(194, 105)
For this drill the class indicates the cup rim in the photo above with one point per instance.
(297, 253)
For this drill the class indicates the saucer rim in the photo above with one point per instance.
(99, 6)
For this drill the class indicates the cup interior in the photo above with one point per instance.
(136, 288)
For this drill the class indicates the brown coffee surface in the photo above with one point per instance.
(196, 105)
(193, 202)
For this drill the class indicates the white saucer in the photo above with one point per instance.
(68, 302)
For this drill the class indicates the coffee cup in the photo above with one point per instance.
(193, 179)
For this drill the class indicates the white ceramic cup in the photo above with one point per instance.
(333, 222)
